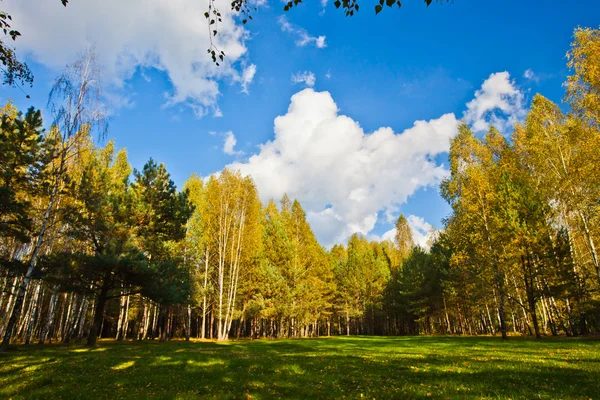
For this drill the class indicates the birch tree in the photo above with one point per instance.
(235, 213)
(75, 104)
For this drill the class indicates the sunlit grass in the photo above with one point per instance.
(340, 367)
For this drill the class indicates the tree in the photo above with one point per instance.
(234, 212)
(199, 247)
(404, 238)
(23, 150)
(420, 288)
(75, 103)
(25, 154)
(106, 259)
(561, 150)
(106, 221)
(558, 152)
(270, 295)
(583, 87)
(470, 190)
(161, 214)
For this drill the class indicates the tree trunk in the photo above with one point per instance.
(99, 311)
(347, 320)
(212, 323)
(154, 322)
(163, 317)
(34, 315)
(498, 278)
(50, 317)
(189, 323)
(143, 324)
(531, 300)
(16, 312)
(204, 286)
(591, 246)
(10, 303)
(448, 328)
(118, 335)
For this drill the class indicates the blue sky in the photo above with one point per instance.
(404, 65)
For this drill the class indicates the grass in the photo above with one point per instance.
(339, 367)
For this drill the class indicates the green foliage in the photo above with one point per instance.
(160, 211)
(420, 282)
(24, 153)
(73, 272)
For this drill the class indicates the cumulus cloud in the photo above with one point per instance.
(229, 144)
(306, 77)
(422, 231)
(303, 37)
(348, 179)
(170, 36)
(389, 235)
(499, 102)
(342, 175)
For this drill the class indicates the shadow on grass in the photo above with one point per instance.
(413, 367)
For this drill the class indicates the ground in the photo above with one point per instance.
(338, 367)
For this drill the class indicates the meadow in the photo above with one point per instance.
(336, 367)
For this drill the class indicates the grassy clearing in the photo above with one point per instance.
(340, 367)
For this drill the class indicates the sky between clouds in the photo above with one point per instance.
(351, 116)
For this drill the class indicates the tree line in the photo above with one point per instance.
(93, 248)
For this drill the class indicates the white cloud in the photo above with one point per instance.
(343, 176)
(499, 102)
(323, 5)
(348, 179)
(146, 77)
(328, 74)
(422, 231)
(530, 75)
(320, 42)
(389, 235)
(303, 37)
(170, 36)
(247, 77)
(229, 144)
(306, 77)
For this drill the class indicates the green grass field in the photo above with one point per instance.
(340, 367)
